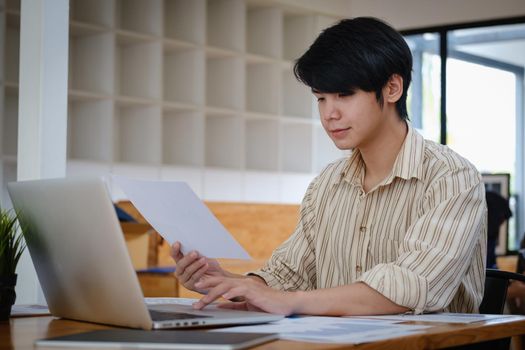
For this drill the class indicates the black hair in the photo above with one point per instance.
(357, 54)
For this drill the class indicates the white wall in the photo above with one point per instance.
(408, 14)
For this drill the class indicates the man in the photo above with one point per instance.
(398, 226)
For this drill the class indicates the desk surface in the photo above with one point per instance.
(20, 333)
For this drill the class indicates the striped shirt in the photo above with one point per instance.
(418, 237)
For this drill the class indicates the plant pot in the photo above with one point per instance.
(7, 295)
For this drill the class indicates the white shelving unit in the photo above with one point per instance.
(88, 121)
(224, 141)
(138, 67)
(263, 85)
(224, 81)
(201, 91)
(262, 144)
(96, 12)
(137, 134)
(225, 24)
(184, 75)
(183, 138)
(295, 138)
(185, 20)
(140, 16)
(264, 32)
(85, 53)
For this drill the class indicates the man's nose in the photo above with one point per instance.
(330, 110)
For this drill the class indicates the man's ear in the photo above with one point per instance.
(393, 89)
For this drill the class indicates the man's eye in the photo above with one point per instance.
(319, 99)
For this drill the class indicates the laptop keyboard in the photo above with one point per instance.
(166, 316)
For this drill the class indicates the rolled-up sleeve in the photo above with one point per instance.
(292, 265)
(438, 247)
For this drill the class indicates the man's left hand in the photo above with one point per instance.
(255, 295)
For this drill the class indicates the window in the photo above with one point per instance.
(468, 83)
(424, 94)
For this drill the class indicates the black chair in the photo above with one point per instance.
(496, 285)
(494, 297)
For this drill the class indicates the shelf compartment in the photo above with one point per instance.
(226, 26)
(137, 131)
(12, 54)
(325, 150)
(296, 153)
(224, 136)
(87, 52)
(90, 130)
(185, 20)
(138, 68)
(297, 98)
(98, 12)
(298, 35)
(264, 34)
(262, 87)
(12, 5)
(184, 75)
(10, 125)
(140, 16)
(183, 138)
(225, 82)
(262, 144)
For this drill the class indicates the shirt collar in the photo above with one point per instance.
(408, 163)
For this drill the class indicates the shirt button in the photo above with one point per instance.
(362, 229)
(358, 269)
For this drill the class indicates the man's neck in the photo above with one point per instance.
(380, 154)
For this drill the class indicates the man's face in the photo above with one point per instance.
(351, 120)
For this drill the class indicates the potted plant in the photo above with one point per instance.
(11, 248)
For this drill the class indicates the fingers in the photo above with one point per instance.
(176, 253)
(214, 294)
(188, 265)
(189, 271)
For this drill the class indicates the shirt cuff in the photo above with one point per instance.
(401, 286)
(269, 278)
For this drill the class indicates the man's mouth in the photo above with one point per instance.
(338, 132)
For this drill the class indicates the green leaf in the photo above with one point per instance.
(12, 243)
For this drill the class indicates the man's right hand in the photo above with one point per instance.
(190, 268)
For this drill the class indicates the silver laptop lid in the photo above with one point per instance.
(79, 252)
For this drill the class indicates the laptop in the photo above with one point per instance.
(82, 263)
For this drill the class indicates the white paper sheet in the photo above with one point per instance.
(29, 310)
(177, 214)
(331, 329)
(444, 317)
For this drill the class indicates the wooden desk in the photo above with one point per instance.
(20, 333)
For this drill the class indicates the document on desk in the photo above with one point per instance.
(177, 214)
(445, 317)
(339, 330)
(29, 310)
